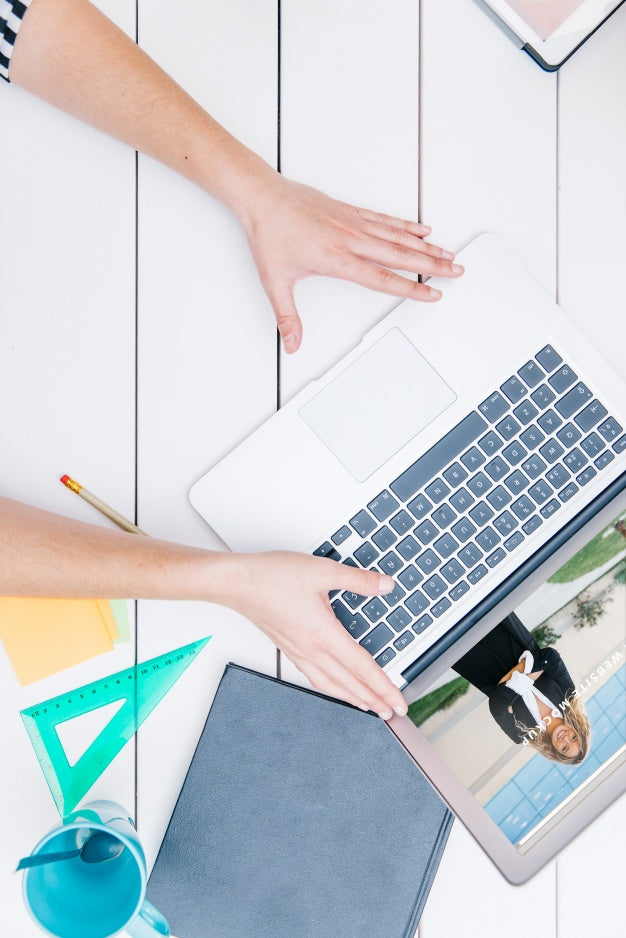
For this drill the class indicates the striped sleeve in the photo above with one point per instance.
(11, 15)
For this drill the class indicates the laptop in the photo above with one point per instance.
(472, 454)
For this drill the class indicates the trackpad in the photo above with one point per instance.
(379, 403)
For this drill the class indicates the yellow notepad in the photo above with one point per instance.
(44, 636)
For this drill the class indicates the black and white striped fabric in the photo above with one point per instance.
(11, 16)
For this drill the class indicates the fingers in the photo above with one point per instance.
(390, 221)
(384, 280)
(364, 582)
(403, 257)
(287, 318)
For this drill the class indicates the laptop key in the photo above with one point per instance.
(452, 571)
(531, 374)
(592, 445)
(532, 524)
(403, 640)
(374, 609)
(422, 624)
(514, 453)
(459, 590)
(610, 429)
(512, 542)
(549, 422)
(399, 619)
(481, 514)
(591, 415)
(517, 482)
(543, 396)
(602, 461)
(439, 608)
(534, 466)
(410, 577)
(327, 550)
(499, 498)
(495, 558)
(446, 545)
(428, 561)
(419, 507)
(550, 507)
(551, 451)
(341, 535)
(437, 490)
(490, 443)
(463, 530)
(479, 484)
(568, 435)
(477, 573)
(548, 358)
(366, 554)
(493, 407)
(354, 600)
(523, 507)
(395, 596)
(434, 587)
(563, 379)
(526, 412)
(558, 476)
(540, 492)
(363, 523)
(349, 562)
(568, 492)
(377, 639)
(384, 538)
(497, 468)
(402, 522)
(444, 516)
(426, 531)
(532, 437)
(385, 657)
(586, 476)
(573, 400)
(470, 555)
(575, 460)
(514, 389)
(390, 563)
(383, 505)
(507, 428)
(487, 539)
(408, 547)
(473, 458)
(353, 622)
(417, 603)
(461, 499)
(438, 456)
(455, 475)
(620, 445)
(505, 523)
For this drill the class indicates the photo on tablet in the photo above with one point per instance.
(533, 717)
(544, 16)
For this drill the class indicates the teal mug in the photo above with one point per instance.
(71, 898)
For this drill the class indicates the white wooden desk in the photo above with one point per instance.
(138, 347)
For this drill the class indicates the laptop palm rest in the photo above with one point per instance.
(379, 403)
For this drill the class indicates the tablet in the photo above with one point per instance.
(520, 723)
(551, 30)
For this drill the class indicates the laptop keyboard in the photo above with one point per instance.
(472, 499)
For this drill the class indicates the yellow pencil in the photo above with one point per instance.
(101, 506)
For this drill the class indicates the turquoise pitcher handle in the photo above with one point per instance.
(149, 923)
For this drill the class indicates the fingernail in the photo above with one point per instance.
(385, 715)
(434, 294)
(385, 584)
(457, 269)
(426, 228)
(290, 343)
(401, 711)
(449, 256)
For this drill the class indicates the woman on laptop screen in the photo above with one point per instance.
(531, 694)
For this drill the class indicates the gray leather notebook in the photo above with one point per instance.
(300, 817)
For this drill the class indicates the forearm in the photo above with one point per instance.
(68, 53)
(43, 554)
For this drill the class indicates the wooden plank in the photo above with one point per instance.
(67, 367)
(349, 126)
(207, 360)
(592, 211)
(488, 163)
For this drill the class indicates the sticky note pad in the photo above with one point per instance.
(44, 636)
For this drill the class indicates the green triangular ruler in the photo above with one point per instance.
(140, 687)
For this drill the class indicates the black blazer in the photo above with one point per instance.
(555, 683)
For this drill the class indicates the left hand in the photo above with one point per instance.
(295, 231)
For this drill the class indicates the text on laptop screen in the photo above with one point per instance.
(533, 717)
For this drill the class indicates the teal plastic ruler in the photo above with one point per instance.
(139, 688)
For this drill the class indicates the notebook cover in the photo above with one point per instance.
(299, 816)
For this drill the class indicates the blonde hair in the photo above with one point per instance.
(576, 718)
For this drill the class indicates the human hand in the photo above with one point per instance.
(295, 231)
(286, 596)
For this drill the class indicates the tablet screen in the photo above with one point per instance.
(545, 16)
(533, 717)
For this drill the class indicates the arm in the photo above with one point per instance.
(70, 54)
(284, 594)
(501, 708)
(554, 666)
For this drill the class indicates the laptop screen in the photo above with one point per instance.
(533, 717)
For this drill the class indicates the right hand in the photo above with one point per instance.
(286, 595)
